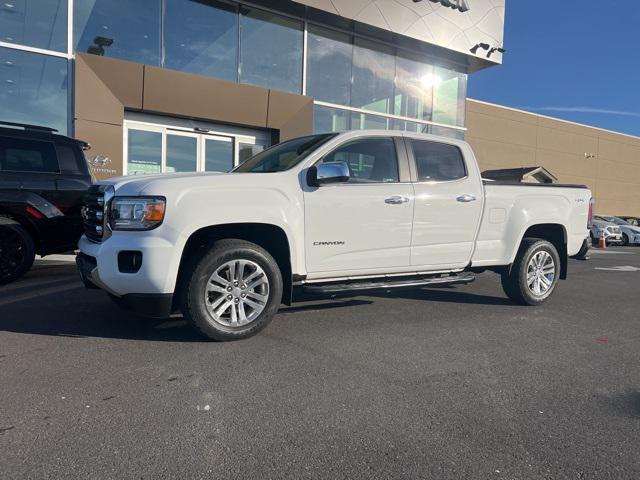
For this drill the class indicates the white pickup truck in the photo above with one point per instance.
(326, 214)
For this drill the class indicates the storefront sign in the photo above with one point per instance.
(462, 5)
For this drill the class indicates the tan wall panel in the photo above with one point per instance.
(122, 78)
(178, 93)
(491, 127)
(563, 141)
(506, 113)
(106, 141)
(618, 171)
(620, 138)
(290, 113)
(503, 154)
(621, 191)
(619, 152)
(566, 163)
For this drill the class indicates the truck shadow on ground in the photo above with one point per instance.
(62, 307)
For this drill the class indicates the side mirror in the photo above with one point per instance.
(327, 173)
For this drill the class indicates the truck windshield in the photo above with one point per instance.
(283, 156)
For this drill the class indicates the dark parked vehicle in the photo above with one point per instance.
(43, 180)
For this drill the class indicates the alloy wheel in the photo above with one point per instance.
(236, 293)
(541, 273)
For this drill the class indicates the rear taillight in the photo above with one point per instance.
(590, 219)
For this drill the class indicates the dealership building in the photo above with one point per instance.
(201, 85)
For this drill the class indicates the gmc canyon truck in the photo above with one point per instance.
(325, 214)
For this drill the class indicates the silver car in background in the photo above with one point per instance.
(630, 233)
(612, 232)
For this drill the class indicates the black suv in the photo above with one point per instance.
(43, 180)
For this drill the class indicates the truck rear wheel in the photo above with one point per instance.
(232, 291)
(17, 251)
(534, 273)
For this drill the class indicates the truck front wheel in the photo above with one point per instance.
(232, 291)
(534, 274)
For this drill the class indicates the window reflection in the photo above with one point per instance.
(414, 83)
(271, 50)
(144, 152)
(373, 74)
(449, 97)
(182, 153)
(125, 29)
(218, 155)
(33, 89)
(201, 37)
(329, 57)
(326, 119)
(36, 23)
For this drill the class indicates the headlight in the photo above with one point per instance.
(136, 213)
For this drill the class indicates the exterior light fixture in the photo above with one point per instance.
(495, 49)
(484, 46)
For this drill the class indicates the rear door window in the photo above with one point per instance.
(438, 162)
(20, 155)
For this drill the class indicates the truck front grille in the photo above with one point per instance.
(94, 211)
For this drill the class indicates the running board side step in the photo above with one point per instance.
(385, 283)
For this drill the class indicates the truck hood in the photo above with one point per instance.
(175, 184)
(135, 184)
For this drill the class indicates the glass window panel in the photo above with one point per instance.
(438, 162)
(144, 152)
(371, 160)
(218, 155)
(327, 119)
(449, 94)
(182, 153)
(125, 29)
(201, 37)
(329, 58)
(373, 74)
(446, 132)
(361, 121)
(33, 89)
(248, 150)
(271, 50)
(36, 23)
(414, 88)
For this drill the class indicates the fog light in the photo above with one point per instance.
(129, 261)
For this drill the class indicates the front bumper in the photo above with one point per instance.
(149, 304)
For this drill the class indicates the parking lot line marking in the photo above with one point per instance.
(621, 268)
(610, 252)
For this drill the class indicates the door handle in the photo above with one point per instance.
(396, 200)
(465, 198)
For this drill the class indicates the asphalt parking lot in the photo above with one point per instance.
(433, 383)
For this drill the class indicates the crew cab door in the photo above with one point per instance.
(363, 225)
(448, 204)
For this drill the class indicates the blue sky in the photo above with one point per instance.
(573, 59)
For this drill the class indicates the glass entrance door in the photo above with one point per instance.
(218, 153)
(151, 147)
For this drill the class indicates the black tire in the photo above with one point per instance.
(17, 252)
(625, 240)
(514, 282)
(196, 278)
